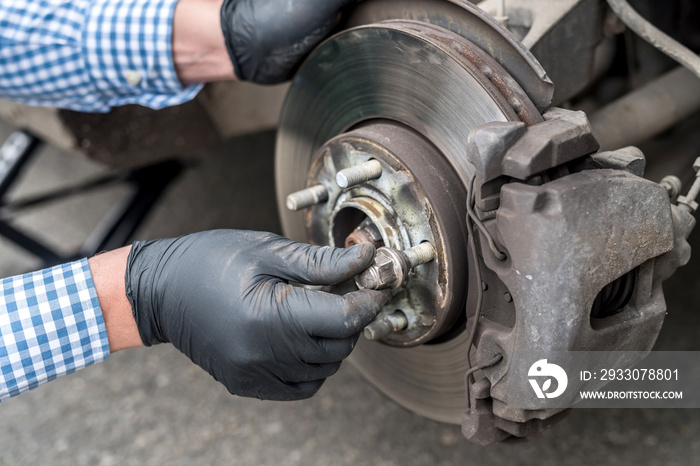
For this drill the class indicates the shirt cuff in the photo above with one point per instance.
(128, 53)
(51, 324)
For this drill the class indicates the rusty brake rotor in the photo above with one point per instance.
(435, 85)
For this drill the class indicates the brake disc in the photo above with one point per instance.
(432, 82)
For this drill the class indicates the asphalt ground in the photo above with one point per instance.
(153, 407)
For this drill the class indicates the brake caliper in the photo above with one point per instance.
(571, 247)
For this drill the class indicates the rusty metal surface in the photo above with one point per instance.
(407, 205)
(629, 159)
(388, 271)
(548, 47)
(508, 88)
(384, 72)
(470, 22)
(501, 151)
(563, 35)
(596, 238)
(366, 232)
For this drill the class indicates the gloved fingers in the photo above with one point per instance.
(329, 350)
(314, 265)
(301, 391)
(309, 372)
(331, 316)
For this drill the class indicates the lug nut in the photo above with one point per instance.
(390, 323)
(391, 267)
(352, 176)
(388, 271)
(307, 197)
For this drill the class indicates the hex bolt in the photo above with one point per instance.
(672, 184)
(353, 176)
(390, 323)
(391, 267)
(307, 197)
(687, 202)
(388, 271)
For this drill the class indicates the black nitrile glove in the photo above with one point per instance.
(222, 298)
(266, 39)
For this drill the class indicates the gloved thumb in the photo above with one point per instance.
(314, 265)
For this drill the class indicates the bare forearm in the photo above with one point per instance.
(108, 271)
(199, 51)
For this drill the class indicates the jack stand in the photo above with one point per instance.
(114, 230)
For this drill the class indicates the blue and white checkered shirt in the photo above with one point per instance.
(50, 325)
(89, 55)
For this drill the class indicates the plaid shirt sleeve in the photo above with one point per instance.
(89, 55)
(50, 325)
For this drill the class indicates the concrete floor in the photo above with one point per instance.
(153, 407)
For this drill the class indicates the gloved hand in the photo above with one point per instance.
(266, 39)
(222, 298)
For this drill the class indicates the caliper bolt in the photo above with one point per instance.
(391, 266)
(307, 197)
(687, 202)
(672, 184)
(390, 323)
(352, 176)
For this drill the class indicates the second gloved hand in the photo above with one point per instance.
(266, 39)
(222, 298)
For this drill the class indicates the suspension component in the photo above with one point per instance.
(688, 202)
(672, 184)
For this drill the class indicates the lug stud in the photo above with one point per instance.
(421, 254)
(390, 323)
(307, 197)
(353, 176)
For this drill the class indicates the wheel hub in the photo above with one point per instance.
(404, 206)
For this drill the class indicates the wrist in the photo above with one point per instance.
(108, 272)
(199, 51)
